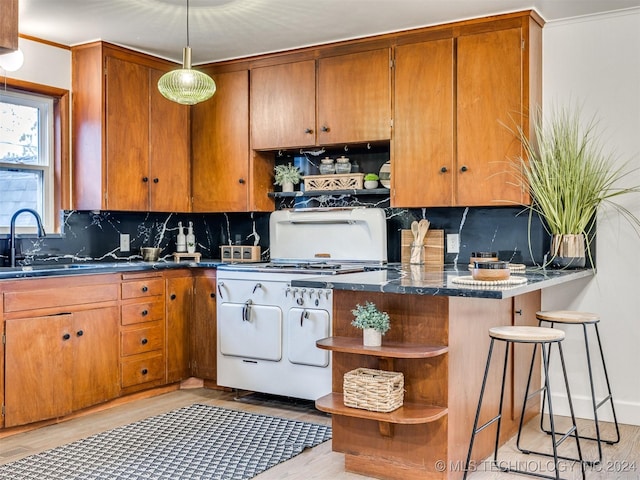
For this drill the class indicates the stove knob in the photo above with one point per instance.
(311, 292)
(295, 291)
(300, 301)
(327, 293)
(302, 292)
(286, 292)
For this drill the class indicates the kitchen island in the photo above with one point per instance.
(439, 341)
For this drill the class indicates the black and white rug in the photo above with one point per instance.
(195, 442)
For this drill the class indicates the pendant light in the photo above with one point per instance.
(185, 85)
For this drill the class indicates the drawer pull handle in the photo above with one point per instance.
(155, 180)
(212, 295)
(145, 313)
(443, 170)
(79, 333)
(144, 371)
(145, 288)
(464, 168)
(66, 336)
(173, 296)
(144, 341)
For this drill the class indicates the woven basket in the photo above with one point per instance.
(335, 181)
(374, 390)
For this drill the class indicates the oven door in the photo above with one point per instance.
(250, 331)
(304, 327)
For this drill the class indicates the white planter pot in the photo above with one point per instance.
(369, 184)
(287, 186)
(371, 337)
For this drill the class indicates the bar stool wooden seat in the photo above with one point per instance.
(543, 337)
(572, 317)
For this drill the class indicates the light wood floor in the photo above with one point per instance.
(621, 462)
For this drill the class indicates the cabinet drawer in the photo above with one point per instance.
(59, 297)
(142, 288)
(142, 369)
(142, 340)
(142, 312)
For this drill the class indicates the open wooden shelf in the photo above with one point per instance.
(317, 193)
(388, 349)
(408, 414)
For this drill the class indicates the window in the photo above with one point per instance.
(26, 159)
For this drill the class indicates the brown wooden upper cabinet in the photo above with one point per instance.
(130, 144)
(457, 103)
(334, 100)
(8, 26)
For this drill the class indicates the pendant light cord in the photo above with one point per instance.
(188, 24)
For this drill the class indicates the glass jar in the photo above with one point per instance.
(343, 165)
(326, 166)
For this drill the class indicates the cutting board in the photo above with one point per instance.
(433, 247)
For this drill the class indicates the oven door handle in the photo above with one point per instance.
(220, 284)
(303, 315)
(246, 311)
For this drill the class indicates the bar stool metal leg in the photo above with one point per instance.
(479, 408)
(535, 335)
(546, 400)
(595, 405)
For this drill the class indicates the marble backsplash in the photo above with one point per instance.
(95, 236)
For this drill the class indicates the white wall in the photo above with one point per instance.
(44, 64)
(595, 61)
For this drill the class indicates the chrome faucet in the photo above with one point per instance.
(12, 237)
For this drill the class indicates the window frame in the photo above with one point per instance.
(59, 165)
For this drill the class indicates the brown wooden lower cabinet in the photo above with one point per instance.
(178, 299)
(203, 326)
(77, 341)
(440, 345)
(60, 363)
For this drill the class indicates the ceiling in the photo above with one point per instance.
(224, 29)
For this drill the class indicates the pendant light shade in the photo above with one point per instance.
(185, 85)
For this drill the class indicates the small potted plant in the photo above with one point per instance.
(371, 180)
(286, 176)
(373, 323)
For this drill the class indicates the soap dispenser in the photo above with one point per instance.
(191, 239)
(181, 240)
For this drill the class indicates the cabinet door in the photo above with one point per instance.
(94, 368)
(38, 380)
(203, 328)
(127, 135)
(220, 146)
(354, 97)
(490, 104)
(283, 102)
(169, 175)
(423, 162)
(179, 296)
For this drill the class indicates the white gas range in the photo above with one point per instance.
(267, 330)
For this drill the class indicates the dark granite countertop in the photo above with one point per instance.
(406, 279)
(12, 273)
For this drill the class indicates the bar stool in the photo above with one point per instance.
(571, 317)
(544, 337)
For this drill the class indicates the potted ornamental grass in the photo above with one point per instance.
(286, 176)
(570, 177)
(373, 323)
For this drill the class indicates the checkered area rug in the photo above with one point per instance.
(195, 442)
